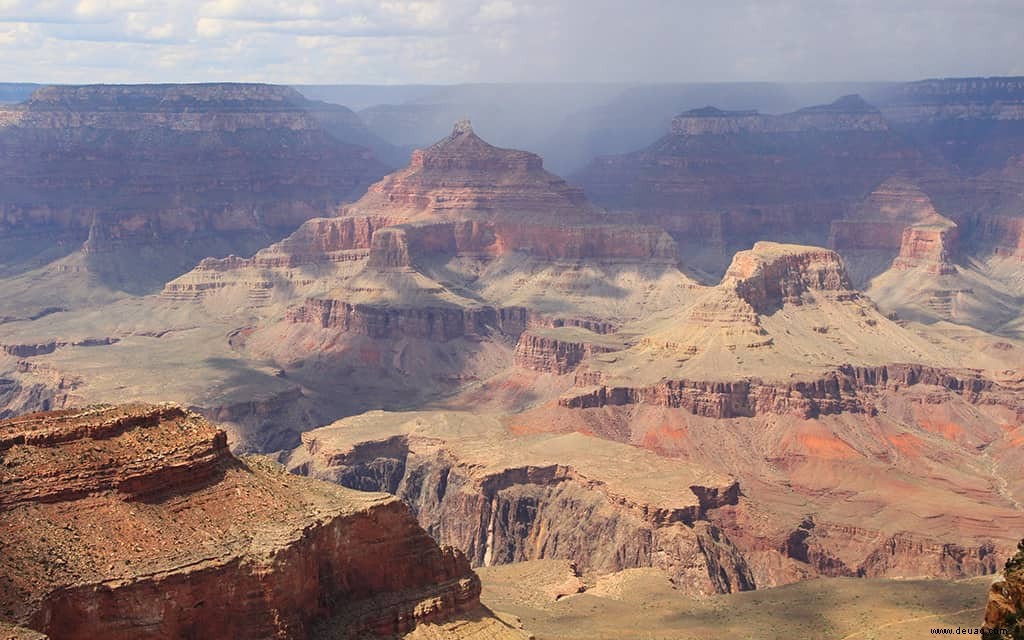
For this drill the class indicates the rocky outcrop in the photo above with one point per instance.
(776, 300)
(513, 512)
(848, 389)
(897, 222)
(439, 324)
(463, 174)
(435, 323)
(559, 352)
(405, 245)
(1004, 616)
(770, 275)
(136, 522)
(878, 222)
(931, 247)
(43, 348)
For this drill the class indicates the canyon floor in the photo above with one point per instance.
(542, 594)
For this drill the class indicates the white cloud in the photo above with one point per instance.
(370, 41)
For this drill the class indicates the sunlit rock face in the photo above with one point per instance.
(136, 521)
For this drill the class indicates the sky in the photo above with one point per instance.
(456, 41)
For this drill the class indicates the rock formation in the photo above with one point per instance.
(930, 246)
(975, 123)
(429, 280)
(802, 384)
(1004, 616)
(506, 499)
(136, 522)
(206, 169)
(872, 235)
(930, 276)
(723, 178)
(560, 350)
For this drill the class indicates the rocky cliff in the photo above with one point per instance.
(975, 123)
(1004, 616)
(776, 301)
(214, 168)
(728, 177)
(930, 246)
(464, 174)
(560, 350)
(506, 499)
(136, 522)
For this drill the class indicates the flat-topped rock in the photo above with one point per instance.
(848, 113)
(478, 482)
(136, 522)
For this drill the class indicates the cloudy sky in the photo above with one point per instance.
(449, 41)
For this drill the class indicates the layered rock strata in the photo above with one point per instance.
(136, 522)
(504, 499)
(203, 168)
(896, 224)
(732, 176)
(777, 300)
(930, 247)
(560, 351)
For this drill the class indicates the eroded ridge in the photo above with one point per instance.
(136, 521)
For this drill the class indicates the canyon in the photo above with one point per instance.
(770, 352)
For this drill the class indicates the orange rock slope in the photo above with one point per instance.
(862, 446)
(136, 522)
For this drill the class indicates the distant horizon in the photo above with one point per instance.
(505, 83)
(453, 42)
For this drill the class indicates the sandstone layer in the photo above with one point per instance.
(720, 179)
(136, 522)
(505, 497)
(428, 282)
(129, 171)
(786, 377)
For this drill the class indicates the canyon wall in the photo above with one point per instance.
(723, 178)
(136, 522)
(207, 169)
(534, 510)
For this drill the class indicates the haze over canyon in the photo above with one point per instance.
(510, 361)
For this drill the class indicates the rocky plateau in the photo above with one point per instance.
(136, 522)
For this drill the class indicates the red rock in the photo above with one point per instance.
(930, 246)
(136, 522)
(559, 352)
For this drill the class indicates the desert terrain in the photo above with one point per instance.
(266, 370)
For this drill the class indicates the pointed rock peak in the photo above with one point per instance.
(462, 137)
(464, 149)
(897, 199)
(852, 103)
